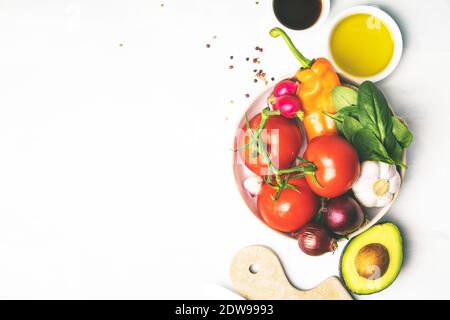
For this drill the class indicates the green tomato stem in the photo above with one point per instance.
(310, 169)
(265, 115)
(261, 149)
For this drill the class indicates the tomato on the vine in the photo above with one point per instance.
(282, 137)
(292, 209)
(337, 165)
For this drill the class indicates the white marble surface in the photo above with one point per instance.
(115, 162)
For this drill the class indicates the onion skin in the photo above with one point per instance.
(285, 87)
(342, 215)
(314, 240)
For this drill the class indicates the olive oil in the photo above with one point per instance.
(362, 45)
(297, 14)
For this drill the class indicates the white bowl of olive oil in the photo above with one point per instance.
(365, 43)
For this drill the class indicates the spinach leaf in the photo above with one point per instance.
(394, 149)
(339, 117)
(401, 132)
(350, 111)
(374, 113)
(339, 126)
(349, 127)
(369, 147)
(368, 124)
(344, 97)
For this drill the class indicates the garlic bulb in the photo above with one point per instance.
(253, 184)
(377, 184)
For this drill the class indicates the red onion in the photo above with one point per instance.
(288, 105)
(314, 240)
(285, 87)
(342, 215)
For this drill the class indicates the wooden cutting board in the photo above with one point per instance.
(257, 274)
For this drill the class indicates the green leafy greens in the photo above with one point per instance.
(401, 132)
(364, 118)
(374, 113)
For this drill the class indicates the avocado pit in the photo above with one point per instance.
(372, 261)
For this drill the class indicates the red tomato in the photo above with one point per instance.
(283, 139)
(292, 210)
(337, 165)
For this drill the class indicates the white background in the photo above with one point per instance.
(115, 161)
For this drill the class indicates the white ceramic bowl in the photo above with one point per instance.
(323, 14)
(393, 28)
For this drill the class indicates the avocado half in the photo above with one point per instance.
(372, 260)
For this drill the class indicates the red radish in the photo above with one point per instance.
(314, 240)
(290, 106)
(342, 215)
(285, 87)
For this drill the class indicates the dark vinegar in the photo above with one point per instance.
(297, 14)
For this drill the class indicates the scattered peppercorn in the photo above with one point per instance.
(231, 67)
(257, 48)
(255, 70)
(260, 49)
(208, 45)
(246, 59)
(255, 80)
(255, 60)
(273, 79)
(231, 57)
(247, 95)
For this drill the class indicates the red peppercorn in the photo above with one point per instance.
(247, 95)
(231, 67)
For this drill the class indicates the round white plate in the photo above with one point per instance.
(241, 172)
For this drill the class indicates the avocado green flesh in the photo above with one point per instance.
(386, 234)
